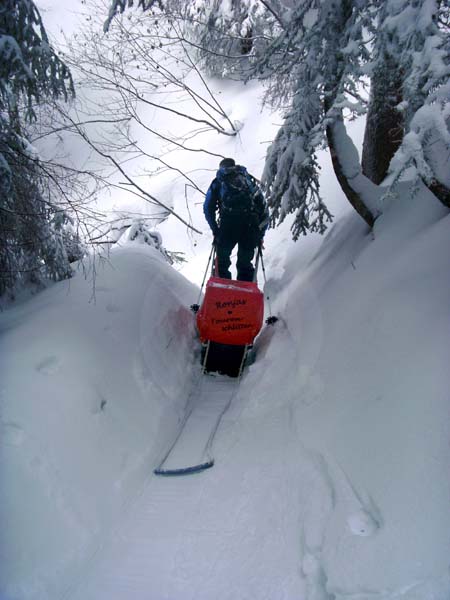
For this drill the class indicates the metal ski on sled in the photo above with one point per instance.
(229, 319)
(191, 451)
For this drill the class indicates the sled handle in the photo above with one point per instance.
(211, 257)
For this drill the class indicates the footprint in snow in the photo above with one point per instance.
(362, 523)
(49, 365)
(113, 308)
(11, 434)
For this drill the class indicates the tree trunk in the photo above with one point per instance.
(353, 196)
(384, 126)
(441, 192)
(345, 164)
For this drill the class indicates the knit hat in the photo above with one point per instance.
(227, 162)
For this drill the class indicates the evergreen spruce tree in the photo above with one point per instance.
(228, 34)
(35, 233)
(417, 34)
(313, 67)
(318, 66)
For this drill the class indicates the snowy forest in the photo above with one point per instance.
(321, 63)
(332, 452)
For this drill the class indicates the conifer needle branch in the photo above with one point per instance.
(270, 9)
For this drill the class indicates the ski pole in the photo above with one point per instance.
(271, 319)
(215, 265)
(255, 272)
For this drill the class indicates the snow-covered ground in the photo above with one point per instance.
(90, 387)
(331, 479)
(331, 476)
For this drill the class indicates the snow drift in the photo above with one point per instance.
(91, 372)
(331, 476)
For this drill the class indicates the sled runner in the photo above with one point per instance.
(192, 449)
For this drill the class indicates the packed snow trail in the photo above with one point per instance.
(229, 532)
(191, 451)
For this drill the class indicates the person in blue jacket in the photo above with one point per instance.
(236, 212)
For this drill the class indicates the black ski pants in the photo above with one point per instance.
(244, 233)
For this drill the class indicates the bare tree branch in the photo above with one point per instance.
(119, 167)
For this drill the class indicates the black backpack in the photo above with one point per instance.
(236, 191)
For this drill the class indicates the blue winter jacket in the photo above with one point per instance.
(211, 206)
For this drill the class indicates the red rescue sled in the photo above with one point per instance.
(232, 312)
(229, 319)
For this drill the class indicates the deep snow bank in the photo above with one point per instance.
(92, 383)
(361, 364)
(331, 476)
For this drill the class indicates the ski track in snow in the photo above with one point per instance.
(184, 535)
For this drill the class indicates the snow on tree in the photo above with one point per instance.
(139, 233)
(313, 67)
(223, 32)
(36, 235)
(29, 66)
(291, 173)
(118, 6)
(128, 229)
(418, 34)
(306, 56)
(227, 34)
(316, 58)
(318, 65)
